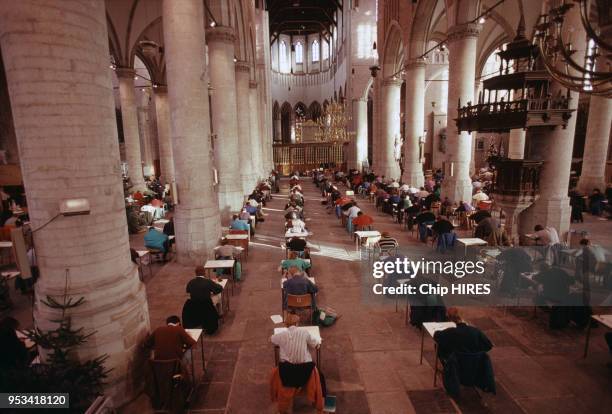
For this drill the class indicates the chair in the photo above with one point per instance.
(168, 385)
(300, 303)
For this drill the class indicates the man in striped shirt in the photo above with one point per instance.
(387, 243)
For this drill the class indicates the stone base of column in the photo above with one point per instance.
(198, 232)
(414, 176)
(457, 189)
(230, 201)
(389, 171)
(549, 213)
(587, 184)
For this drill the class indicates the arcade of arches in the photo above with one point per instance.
(118, 115)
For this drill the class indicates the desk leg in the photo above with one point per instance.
(586, 342)
(319, 357)
(435, 368)
(202, 350)
(422, 343)
(193, 378)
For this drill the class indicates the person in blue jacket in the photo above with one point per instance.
(155, 239)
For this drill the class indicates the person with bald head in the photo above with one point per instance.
(298, 284)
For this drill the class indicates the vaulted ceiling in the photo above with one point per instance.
(300, 17)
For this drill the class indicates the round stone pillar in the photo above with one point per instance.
(390, 137)
(129, 116)
(224, 117)
(415, 123)
(144, 131)
(258, 144)
(596, 145)
(462, 40)
(196, 218)
(246, 128)
(166, 159)
(360, 150)
(516, 144)
(72, 145)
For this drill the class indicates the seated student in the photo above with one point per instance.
(155, 239)
(294, 343)
(244, 215)
(424, 219)
(170, 341)
(555, 285)
(294, 261)
(351, 213)
(462, 338)
(546, 236)
(362, 220)
(238, 224)
(297, 283)
(442, 226)
(296, 244)
(485, 228)
(199, 310)
(386, 243)
(479, 196)
(226, 251)
(13, 352)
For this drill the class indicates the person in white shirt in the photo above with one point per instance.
(546, 236)
(422, 193)
(351, 214)
(293, 343)
(479, 196)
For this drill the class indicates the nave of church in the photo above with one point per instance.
(203, 200)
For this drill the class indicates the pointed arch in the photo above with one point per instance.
(393, 52)
(315, 110)
(286, 117)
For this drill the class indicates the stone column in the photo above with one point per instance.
(596, 145)
(67, 137)
(388, 166)
(166, 159)
(196, 218)
(415, 123)
(462, 40)
(145, 133)
(129, 116)
(516, 144)
(258, 144)
(247, 173)
(224, 118)
(360, 152)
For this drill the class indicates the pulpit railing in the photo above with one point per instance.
(517, 178)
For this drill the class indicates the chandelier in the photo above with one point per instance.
(589, 73)
(332, 124)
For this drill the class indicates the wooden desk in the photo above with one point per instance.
(221, 298)
(221, 264)
(142, 255)
(605, 320)
(240, 240)
(431, 328)
(359, 235)
(313, 330)
(196, 335)
(472, 241)
(159, 224)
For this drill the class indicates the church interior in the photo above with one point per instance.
(203, 202)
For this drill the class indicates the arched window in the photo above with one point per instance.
(282, 56)
(325, 50)
(299, 53)
(315, 50)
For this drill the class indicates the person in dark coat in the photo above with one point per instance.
(199, 311)
(578, 206)
(462, 338)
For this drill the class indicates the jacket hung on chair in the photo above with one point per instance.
(469, 370)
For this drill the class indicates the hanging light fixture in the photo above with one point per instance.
(583, 74)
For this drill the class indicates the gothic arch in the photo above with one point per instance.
(393, 55)
(315, 110)
(286, 118)
(276, 116)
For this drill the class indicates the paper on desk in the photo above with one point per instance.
(276, 319)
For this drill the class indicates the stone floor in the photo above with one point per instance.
(369, 357)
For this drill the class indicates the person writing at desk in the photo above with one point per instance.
(199, 311)
(155, 239)
(545, 236)
(295, 362)
(462, 338)
(294, 261)
(170, 341)
(296, 244)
